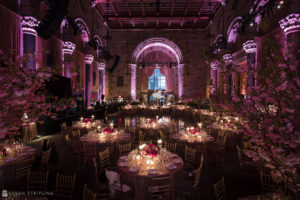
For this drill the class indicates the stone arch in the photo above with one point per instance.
(83, 28)
(161, 43)
(232, 32)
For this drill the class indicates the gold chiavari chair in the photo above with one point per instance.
(37, 181)
(22, 168)
(76, 133)
(104, 158)
(221, 139)
(96, 173)
(261, 166)
(45, 156)
(267, 183)
(219, 189)
(45, 144)
(124, 148)
(64, 187)
(171, 147)
(240, 155)
(63, 127)
(161, 187)
(89, 152)
(141, 135)
(88, 194)
(189, 155)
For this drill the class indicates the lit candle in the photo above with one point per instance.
(156, 117)
(236, 119)
(81, 119)
(138, 157)
(159, 141)
(93, 117)
(200, 125)
(111, 125)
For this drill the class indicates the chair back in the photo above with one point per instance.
(171, 147)
(141, 135)
(267, 183)
(88, 194)
(124, 148)
(64, 187)
(45, 144)
(197, 173)
(63, 126)
(104, 195)
(23, 167)
(189, 155)
(45, 157)
(89, 151)
(222, 137)
(37, 181)
(219, 189)
(240, 155)
(161, 187)
(76, 133)
(104, 158)
(145, 141)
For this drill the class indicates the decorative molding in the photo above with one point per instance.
(68, 47)
(290, 23)
(227, 58)
(101, 66)
(88, 59)
(214, 65)
(249, 46)
(28, 24)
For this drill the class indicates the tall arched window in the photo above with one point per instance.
(157, 81)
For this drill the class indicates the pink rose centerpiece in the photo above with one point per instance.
(151, 121)
(87, 120)
(194, 130)
(151, 150)
(108, 130)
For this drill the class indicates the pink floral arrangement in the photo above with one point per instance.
(152, 121)
(151, 150)
(87, 120)
(108, 130)
(194, 131)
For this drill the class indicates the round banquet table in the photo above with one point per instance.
(142, 180)
(106, 140)
(182, 137)
(16, 153)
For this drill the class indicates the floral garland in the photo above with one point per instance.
(151, 150)
(108, 130)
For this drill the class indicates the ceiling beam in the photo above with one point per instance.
(200, 10)
(179, 18)
(143, 8)
(128, 7)
(187, 7)
(114, 8)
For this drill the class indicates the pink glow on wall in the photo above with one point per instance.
(180, 80)
(133, 81)
(101, 66)
(232, 32)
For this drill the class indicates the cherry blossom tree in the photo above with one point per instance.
(271, 114)
(23, 95)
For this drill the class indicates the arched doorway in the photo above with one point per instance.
(158, 56)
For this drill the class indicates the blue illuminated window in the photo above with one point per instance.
(157, 81)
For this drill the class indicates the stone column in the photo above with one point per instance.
(250, 49)
(88, 84)
(68, 49)
(228, 64)
(291, 26)
(28, 24)
(101, 73)
(132, 81)
(175, 80)
(214, 75)
(180, 80)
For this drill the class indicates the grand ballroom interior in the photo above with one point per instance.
(150, 99)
